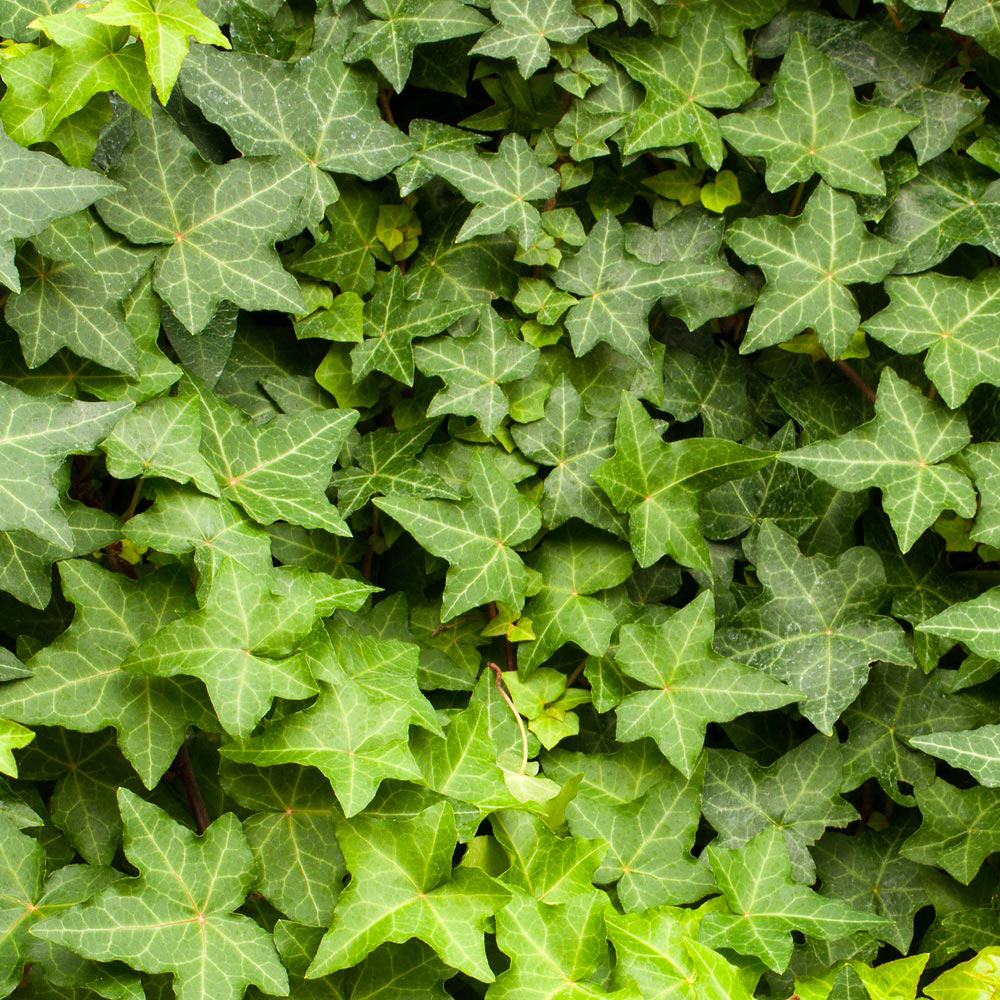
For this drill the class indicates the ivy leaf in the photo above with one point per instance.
(192, 885)
(798, 794)
(572, 565)
(403, 886)
(12, 737)
(658, 484)
(392, 322)
(901, 451)
(398, 26)
(971, 980)
(950, 318)
(766, 904)
(276, 471)
(691, 685)
(816, 624)
(544, 958)
(476, 536)
(615, 291)
(46, 190)
(816, 126)
(501, 185)
(959, 828)
(809, 261)
(952, 200)
(573, 447)
(659, 951)
(242, 641)
(77, 681)
(215, 226)
(36, 437)
(648, 813)
(164, 27)
(318, 110)
(966, 17)
(474, 368)
(976, 750)
(525, 30)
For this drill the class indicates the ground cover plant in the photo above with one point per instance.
(500, 499)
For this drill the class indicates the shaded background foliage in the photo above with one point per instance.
(500, 499)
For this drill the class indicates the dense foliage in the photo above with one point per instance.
(500, 499)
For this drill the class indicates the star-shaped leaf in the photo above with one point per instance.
(392, 322)
(317, 109)
(816, 625)
(798, 794)
(960, 828)
(38, 188)
(215, 226)
(525, 30)
(902, 451)
(615, 290)
(809, 261)
(475, 367)
(12, 737)
(977, 978)
(192, 885)
(242, 641)
(976, 750)
(36, 434)
(573, 564)
(501, 185)
(703, 67)
(658, 484)
(279, 470)
(686, 683)
(816, 126)
(165, 27)
(398, 26)
(77, 682)
(403, 886)
(951, 318)
(476, 536)
(766, 904)
(981, 20)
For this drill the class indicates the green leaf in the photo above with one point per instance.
(658, 484)
(950, 318)
(475, 367)
(765, 904)
(278, 470)
(318, 110)
(703, 67)
(192, 885)
(164, 26)
(979, 20)
(476, 536)
(971, 980)
(809, 261)
(686, 684)
(398, 26)
(816, 624)
(402, 886)
(46, 190)
(902, 451)
(976, 750)
(525, 31)
(12, 737)
(798, 794)
(816, 126)
(214, 226)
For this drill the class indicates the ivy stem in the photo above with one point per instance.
(366, 566)
(517, 716)
(797, 199)
(858, 382)
(134, 502)
(384, 96)
(183, 770)
(890, 9)
(576, 673)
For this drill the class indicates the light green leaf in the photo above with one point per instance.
(12, 737)
(809, 261)
(816, 126)
(189, 887)
(902, 451)
(658, 484)
(976, 979)
(976, 750)
(403, 886)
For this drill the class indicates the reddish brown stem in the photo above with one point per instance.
(858, 382)
(517, 715)
(184, 772)
(384, 96)
(894, 17)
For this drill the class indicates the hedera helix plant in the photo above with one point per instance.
(499, 499)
